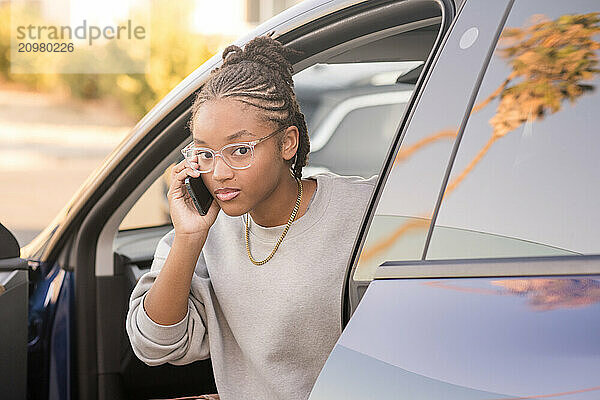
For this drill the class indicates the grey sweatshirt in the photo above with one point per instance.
(267, 329)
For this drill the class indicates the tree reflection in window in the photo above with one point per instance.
(550, 60)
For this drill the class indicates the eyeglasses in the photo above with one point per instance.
(236, 155)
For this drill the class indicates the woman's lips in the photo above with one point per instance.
(225, 196)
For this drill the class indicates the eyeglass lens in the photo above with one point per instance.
(238, 156)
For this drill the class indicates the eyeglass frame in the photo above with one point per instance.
(252, 144)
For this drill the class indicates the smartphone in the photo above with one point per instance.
(200, 195)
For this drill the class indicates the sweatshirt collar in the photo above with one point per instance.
(316, 209)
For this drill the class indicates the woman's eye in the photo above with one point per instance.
(241, 151)
(205, 155)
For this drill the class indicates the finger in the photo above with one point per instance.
(192, 164)
(177, 183)
(188, 163)
(179, 167)
(180, 177)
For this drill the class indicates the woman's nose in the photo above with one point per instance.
(220, 168)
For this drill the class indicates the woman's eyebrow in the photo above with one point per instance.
(230, 137)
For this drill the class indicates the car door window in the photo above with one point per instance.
(152, 208)
(525, 178)
(401, 221)
(360, 142)
(353, 113)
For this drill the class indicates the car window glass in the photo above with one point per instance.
(152, 208)
(360, 142)
(353, 113)
(399, 227)
(525, 178)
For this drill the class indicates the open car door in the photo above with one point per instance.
(13, 317)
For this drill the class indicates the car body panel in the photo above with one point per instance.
(469, 338)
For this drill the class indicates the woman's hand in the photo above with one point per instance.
(184, 215)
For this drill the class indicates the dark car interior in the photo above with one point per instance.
(375, 31)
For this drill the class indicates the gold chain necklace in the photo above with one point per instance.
(289, 223)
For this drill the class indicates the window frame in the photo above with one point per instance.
(353, 289)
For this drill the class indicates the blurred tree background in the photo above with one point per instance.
(69, 123)
(175, 52)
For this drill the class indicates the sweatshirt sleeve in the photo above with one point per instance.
(181, 343)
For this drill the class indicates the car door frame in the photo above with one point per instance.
(353, 290)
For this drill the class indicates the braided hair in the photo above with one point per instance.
(260, 75)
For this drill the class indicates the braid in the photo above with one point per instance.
(260, 75)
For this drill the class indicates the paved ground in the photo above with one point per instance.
(49, 144)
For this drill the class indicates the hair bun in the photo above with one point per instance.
(232, 54)
(266, 51)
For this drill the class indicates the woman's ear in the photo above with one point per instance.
(290, 142)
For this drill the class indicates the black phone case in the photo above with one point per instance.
(198, 203)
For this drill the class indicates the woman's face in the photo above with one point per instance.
(216, 120)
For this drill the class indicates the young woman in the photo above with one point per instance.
(256, 287)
